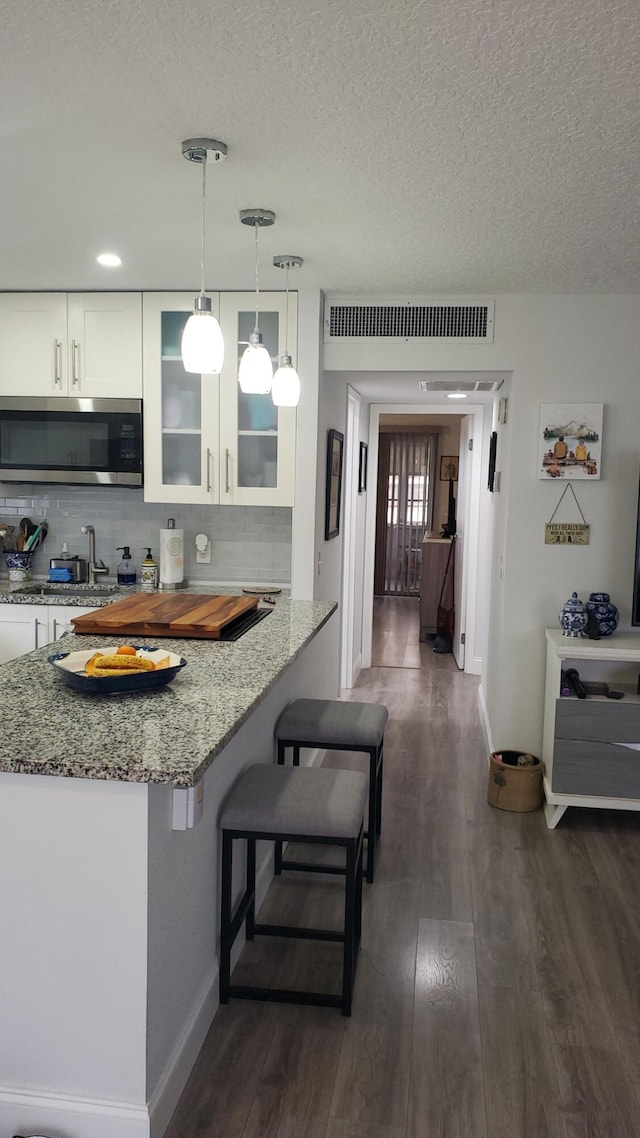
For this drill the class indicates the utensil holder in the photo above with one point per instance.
(18, 565)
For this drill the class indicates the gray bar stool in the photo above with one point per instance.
(337, 725)
(294, 804)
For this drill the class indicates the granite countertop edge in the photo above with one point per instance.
(207, 696)
(81, 596)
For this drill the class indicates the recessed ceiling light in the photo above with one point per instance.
(457, 395)
(110, 260)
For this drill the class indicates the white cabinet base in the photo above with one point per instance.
(593, 743)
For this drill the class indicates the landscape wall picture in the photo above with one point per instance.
(570, 441)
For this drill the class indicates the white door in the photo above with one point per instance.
(459, 579)
(33, 344)
(105, 345)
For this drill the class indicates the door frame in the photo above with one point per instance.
(476, 412)
(349, 496)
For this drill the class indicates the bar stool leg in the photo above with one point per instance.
(372, 818)
(350, 922)
(379, 810)
(277, 850)
(225, 919)
(251, 889)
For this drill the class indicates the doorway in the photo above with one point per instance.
(406, 462)
(470, 521)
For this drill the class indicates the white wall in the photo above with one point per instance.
(73, 957)
(559, 348)
(307, 455)
(332, 413)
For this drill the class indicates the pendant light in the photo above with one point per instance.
(255, 373)
(285, 390)
(202, 347)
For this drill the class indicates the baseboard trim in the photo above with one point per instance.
(69, 1116)
(485, 722)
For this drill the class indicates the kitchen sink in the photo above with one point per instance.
(71, 591)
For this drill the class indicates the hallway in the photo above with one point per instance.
(497, 993)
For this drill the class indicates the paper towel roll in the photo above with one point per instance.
(171, 556)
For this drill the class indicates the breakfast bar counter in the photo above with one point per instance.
(170, 735)
(110, 896)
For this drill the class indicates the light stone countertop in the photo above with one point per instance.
(81, 596)
(167, 735)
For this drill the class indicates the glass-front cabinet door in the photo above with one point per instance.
(257, 439)
(181, 459)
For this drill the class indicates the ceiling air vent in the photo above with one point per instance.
(469, 323)
(466, 385)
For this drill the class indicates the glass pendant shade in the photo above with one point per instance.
(202, 345)
(255, 374)
(285, 390)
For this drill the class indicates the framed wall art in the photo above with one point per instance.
(570, 444)
(362, 469)
(449, 467)
(335, 444)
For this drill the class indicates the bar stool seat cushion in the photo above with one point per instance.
(315, 801)
(333, 723)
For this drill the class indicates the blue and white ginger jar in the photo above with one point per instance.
(604, 611)
(574, 616)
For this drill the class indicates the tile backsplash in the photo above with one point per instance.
(249, 544)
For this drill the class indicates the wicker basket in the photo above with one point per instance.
(513, 787)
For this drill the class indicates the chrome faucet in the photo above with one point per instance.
(96, 568)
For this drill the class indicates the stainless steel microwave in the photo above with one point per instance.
(82, 441)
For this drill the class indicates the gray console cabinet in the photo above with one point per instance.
(591, 747)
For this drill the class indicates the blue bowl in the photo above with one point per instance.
(69, 666)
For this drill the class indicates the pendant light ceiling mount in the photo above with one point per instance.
(202, 346)
(257, 217)
(288, 261)
(196, 150)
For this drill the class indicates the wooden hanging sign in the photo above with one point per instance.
(566, 533)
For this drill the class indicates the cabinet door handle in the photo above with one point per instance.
(75, 377)
(35, 632)
(55, 629)
(57, 362)
(226, 471)
(209, 457)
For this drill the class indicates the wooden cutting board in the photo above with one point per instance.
(176, 614)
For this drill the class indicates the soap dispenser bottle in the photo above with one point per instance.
(149, 572)
(126, 568)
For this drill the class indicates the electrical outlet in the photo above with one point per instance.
(203, 549)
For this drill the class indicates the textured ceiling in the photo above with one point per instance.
(407, 147)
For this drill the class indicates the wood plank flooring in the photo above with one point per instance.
(498, 987)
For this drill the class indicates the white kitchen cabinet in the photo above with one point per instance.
(71, 344)
(206, 442)
(181, 410)
(257, 439)
(24, 628)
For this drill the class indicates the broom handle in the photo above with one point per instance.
(446, 572)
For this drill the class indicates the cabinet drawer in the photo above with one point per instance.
(601, 719)
(601, 769)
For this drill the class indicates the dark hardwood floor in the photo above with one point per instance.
(498, 986)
